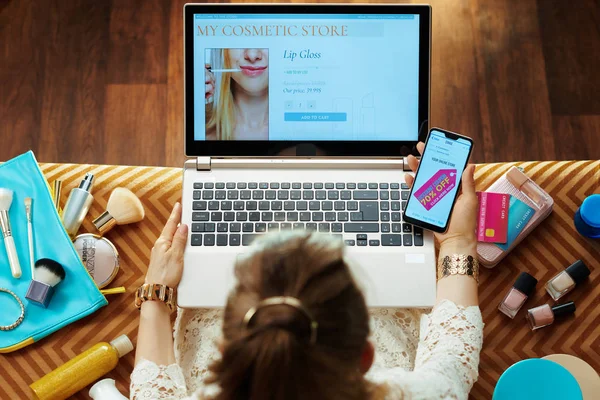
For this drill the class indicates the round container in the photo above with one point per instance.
(587, 217)
(99, 256)
(537, 379)
(587, 377)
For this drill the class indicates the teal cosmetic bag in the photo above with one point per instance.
(75, 297)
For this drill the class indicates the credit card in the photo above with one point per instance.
(519, 215)
(492, 225)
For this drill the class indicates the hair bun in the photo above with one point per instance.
(281, 316)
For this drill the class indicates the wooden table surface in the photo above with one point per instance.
(550, 248)
(87, 81)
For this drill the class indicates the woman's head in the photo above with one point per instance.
(272, 357)
(252, 80)
(254, 75)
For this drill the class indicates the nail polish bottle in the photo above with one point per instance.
(517, 295)
(566, 280)
(545, 315)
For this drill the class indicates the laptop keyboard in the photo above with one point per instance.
(363, 214)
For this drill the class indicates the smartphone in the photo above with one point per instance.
(437, 180)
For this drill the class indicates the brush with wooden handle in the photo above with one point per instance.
(6, 197)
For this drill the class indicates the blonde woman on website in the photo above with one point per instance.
(237, 94)
(296, 325)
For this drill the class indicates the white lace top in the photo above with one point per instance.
(436, 360)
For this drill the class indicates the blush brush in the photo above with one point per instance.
(6, 198)
(48, 274)
(123, 207)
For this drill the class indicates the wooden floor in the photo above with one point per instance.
(92, 81)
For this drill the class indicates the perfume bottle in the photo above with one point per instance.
(566, 280)
(517, 295)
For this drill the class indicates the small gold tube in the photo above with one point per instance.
(115, 290)
(56, 192)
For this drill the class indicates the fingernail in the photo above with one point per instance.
(183, 229)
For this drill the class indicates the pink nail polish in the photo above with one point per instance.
(545, 315)
(517, 295)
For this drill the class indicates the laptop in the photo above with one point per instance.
(300, 116)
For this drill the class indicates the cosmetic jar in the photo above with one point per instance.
(99, 256)
(545, 315)
(517, 295)
(566, 280)
(536, 379)
(587, 378)
(587, 217)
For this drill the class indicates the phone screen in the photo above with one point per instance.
(437, 180)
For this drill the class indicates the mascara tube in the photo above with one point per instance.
(78, 204)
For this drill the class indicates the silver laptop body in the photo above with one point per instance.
(235, 191)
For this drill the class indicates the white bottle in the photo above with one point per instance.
(77, 206)
(106, 390)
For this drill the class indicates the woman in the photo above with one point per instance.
(237, 102)
(296, 325)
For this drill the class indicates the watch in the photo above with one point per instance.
(154, 291)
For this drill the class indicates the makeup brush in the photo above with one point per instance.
(123, 208)
(48, 274)
(28, 209)
(6, 197)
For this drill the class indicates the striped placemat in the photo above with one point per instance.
(552, 246)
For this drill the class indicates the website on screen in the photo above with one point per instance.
(306, 77)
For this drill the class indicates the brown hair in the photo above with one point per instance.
(272, 358)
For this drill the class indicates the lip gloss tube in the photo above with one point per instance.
(566, 280)
(517, 295)
(545, 315)
(528, 187)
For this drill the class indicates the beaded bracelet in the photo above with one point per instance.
(20, 319)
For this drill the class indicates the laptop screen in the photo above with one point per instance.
(306, 77)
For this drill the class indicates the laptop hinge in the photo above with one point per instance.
(203, 164)
(405, 166)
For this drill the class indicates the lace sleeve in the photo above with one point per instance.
(446, 361)
(151, 381)
(448, 352)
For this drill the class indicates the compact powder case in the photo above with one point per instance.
(99, 256)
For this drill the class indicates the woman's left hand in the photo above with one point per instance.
(166, 260)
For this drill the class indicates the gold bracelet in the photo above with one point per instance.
(21, 317)
(460, 264)
(152, 291)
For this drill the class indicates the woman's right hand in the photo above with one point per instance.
(209, 82)
(166, 260)
(460, 236)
